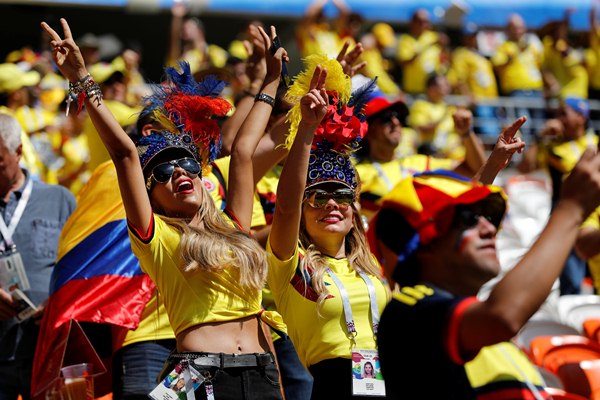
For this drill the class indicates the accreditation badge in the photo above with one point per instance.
(12, 271)
(367, 379)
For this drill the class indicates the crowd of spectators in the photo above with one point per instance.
(436, 101)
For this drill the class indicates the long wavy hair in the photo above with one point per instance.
(219, 245)
(356, 249)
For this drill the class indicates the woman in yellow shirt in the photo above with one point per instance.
(209, 273)
(325, 281)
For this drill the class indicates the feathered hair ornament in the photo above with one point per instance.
(185, 109)
(342, 128)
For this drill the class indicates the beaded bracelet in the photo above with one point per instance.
(265, 98)
(85, 87)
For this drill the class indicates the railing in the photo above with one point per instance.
(510, 108)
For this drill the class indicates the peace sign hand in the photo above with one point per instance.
(66, 53)
(313, 104)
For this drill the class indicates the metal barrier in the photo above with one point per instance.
(509, 108)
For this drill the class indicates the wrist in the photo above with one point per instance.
(270, 85)
(265, 98)
(255, 86)
(467, 134)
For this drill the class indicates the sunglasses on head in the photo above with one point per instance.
(162, 173)
(318, 198)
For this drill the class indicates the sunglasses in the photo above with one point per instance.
(162, 173)
(467, 218)
(387, 116)
(318, 198)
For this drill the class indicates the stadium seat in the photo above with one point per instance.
(535, 328)
(551, 352)
(559, 394)
(575, 309)
(582, 378)
(591, 328)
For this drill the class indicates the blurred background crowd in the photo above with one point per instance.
(435, 59)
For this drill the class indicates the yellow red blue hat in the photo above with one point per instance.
(421, 208)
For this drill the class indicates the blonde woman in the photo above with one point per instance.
(326, 283)
(207, 268)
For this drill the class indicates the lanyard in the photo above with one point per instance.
(8, 231)
(348, 308)
(384, 177)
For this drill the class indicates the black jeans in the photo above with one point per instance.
(239, 383)
(333, 380)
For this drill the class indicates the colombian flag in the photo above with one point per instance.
(96, 279)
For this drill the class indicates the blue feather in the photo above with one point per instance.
(184, 81)
(211, 86)
(360, 97)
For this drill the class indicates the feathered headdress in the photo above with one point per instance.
(185, 110)
(341, 129)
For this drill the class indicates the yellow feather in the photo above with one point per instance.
(164, 121)
(336, 81)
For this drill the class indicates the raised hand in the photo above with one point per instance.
(65, 53)
(313, 104)
(348, 59)
(463, 120)
(586, 174)
(256, 66)
(507, 144)
(274, 59)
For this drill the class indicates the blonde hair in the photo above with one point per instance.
(218, 245)
(356, 249)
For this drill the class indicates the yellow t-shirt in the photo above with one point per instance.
(214, 57)
(593, 60)
(445, 139)
(319, 39)
(266, 190)
(568, 70)
(154, 325)
(218, 189)
(124, 115)
(414, 74)
(377, 179)
(474, 70)
(34, 119)
(377, 68)
(322, 334)
(593, 221)
(523, 71)
(195, 297)
(29, 157)
(563, 156)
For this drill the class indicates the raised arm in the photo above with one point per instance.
(256, 70)
(506, 145)
(174, 52)
(241, 179)
(68, 58)
(290, 190)
(522, 291)
(474, 153)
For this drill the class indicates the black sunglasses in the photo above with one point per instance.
(388, 115)
(466, 217)
(318, 198)
(162, 173)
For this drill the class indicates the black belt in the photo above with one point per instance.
(222, 360)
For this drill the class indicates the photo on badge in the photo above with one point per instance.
(173, 386)
(367, 379)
